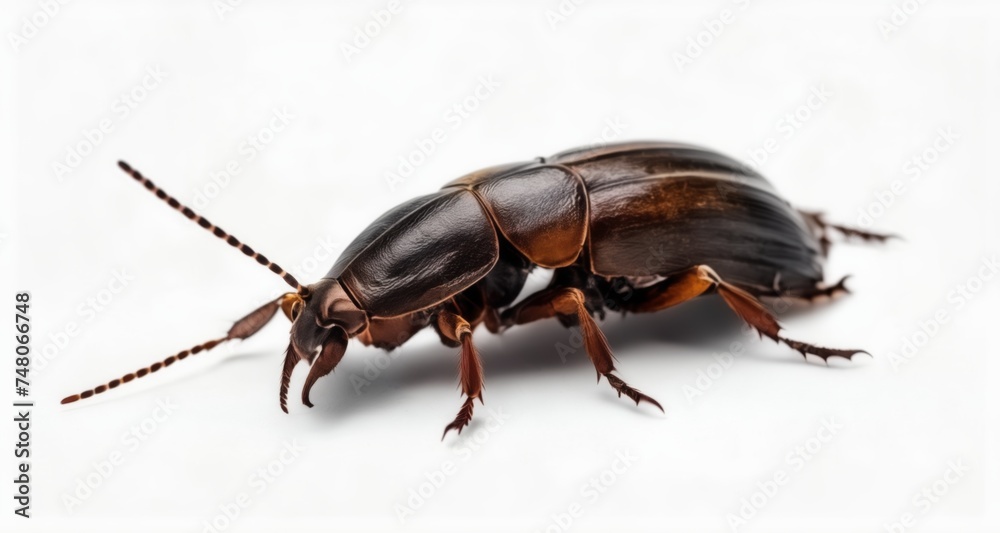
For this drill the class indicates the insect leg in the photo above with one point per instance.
(700, 279)
(821, 228)
(818, 293)
(456, 329)
(568, 302)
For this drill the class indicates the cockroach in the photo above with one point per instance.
(632, 227)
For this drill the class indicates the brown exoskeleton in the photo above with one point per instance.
(459, 257)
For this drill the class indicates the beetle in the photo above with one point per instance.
(631, 227)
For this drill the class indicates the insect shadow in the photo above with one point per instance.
(543, 348)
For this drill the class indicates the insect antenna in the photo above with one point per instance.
(242, 329)
(216, 230)
(145, 371)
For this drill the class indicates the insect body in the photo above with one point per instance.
(633, 227)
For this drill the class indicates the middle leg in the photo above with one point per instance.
(569, 303)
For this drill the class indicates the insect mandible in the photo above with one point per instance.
(632, 227)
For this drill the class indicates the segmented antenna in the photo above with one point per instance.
(242, 329)
(216, 230)
(147, 370)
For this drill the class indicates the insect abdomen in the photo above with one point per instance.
(659, 209)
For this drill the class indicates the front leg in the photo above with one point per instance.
(455, 330)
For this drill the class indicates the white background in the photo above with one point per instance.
(324, 177)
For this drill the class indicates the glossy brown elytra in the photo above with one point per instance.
(634, 227)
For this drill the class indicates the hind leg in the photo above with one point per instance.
(701, 279)
(821, 228)
(811, 295)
